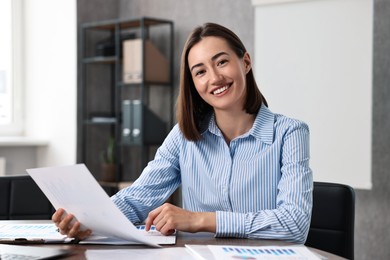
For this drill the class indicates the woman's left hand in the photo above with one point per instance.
(168, 218)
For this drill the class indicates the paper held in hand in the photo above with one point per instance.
(74, 189)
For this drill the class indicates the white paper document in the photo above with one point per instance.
(223, 252)
(139, 253)
(74, 189)
(31, 232)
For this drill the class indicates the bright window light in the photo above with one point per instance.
(10, 67)
(5, 63)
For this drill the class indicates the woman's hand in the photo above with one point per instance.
(168, 218)
(67, 225)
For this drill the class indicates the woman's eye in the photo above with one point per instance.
(222, 62)
(199, 72)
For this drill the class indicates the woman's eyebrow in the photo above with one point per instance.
(216, 56)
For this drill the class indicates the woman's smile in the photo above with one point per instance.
(221, 89)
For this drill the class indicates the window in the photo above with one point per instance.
(10, 68)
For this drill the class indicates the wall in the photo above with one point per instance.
(372, 237)
(96, 10)
(12, 155)
(372, 207)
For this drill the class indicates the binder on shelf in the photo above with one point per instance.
(140, 125)
(156, 65)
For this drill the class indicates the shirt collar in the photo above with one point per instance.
(262, 129)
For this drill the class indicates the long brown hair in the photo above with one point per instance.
(191, 109)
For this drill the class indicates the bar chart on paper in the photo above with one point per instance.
(263, 252)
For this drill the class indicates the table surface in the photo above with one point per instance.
(183, 238)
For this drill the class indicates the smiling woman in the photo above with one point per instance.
(243, 170)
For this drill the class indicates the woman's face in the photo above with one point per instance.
(218, 73)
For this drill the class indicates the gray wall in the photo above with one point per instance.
(19, 158)
(372, 237)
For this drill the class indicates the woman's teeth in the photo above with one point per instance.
(220, 90)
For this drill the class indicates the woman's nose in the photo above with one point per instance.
(215, 76)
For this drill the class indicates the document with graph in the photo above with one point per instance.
(224, 252)
(30, 233)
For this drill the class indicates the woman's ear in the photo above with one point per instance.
(247, 62)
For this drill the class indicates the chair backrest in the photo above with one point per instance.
(333, 219)
(21, 198)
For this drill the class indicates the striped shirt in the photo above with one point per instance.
(260, 185)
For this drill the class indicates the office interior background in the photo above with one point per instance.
(50, 82)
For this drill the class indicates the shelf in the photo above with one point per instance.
(102, 92)
(7, 141)
(125, 24)
(103, 121)
(100, 59)
(150, 83)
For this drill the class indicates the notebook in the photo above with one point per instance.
(30, 252)
(77, 191)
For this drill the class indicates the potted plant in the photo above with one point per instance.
(107, 158)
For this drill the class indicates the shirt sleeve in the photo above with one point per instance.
(290, 220)
(158, 181)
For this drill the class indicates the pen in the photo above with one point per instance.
(22, 241)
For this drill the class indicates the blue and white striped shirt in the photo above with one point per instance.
(260, 185)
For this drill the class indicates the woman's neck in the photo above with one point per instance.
(234, 124)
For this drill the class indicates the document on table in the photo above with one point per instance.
(77, 191)
(24, 233)
(223, 252)
(139, 253)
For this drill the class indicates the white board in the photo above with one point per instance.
(313, 61)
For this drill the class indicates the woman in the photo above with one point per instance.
(244, 171)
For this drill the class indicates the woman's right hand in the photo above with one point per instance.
(68, 225)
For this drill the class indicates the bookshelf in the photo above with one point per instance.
(125, 92)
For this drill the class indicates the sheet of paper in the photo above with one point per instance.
(47, 232)
(200, 252)
(76, 190)
(262, 252)
(138, 253)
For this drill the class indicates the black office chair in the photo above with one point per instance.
(333, 219)
(21, 198)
